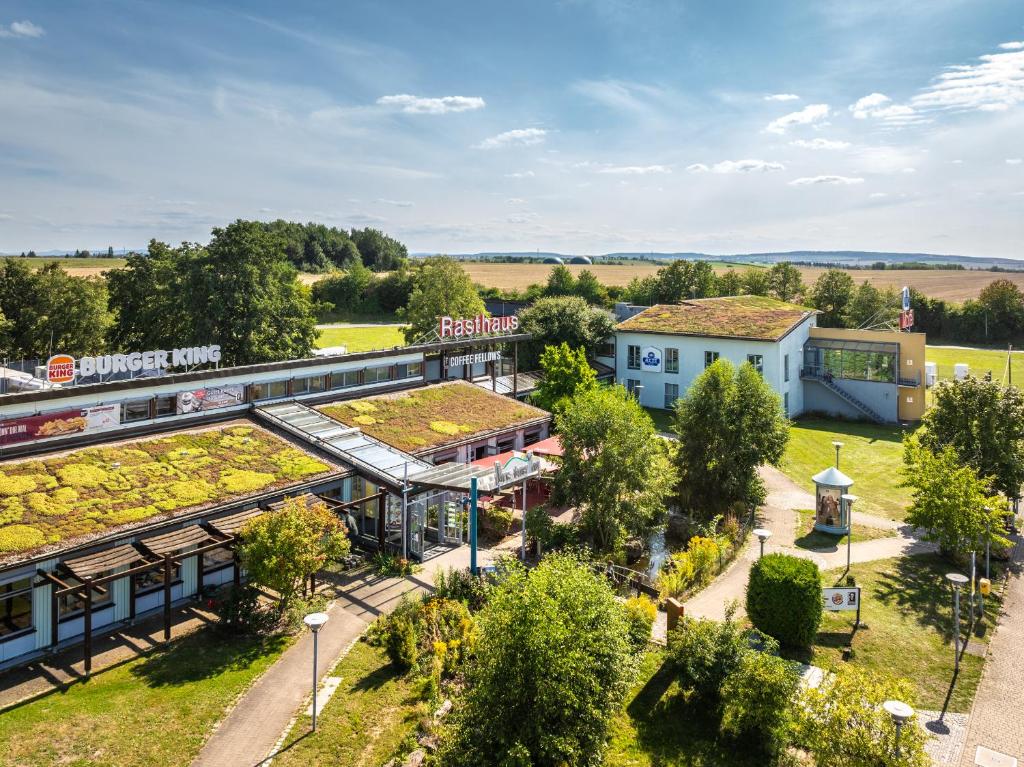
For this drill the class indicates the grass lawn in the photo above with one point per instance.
(872, 456)
(362, 339)
(373, 712)
(815, 539)
(662, 418)
(907, 607)
(980, 361)
(657, 728)
(153, 710)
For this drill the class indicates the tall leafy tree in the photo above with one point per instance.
(551, 669)
(755, 282)
(1004, 303)
(590, 289)
(560, 282)
(983, 423)
(870, 306)
(47, 310)
(951, 503)
(566, 374)
(831, 295)
(730, 283)
(614, 468)
(729, 423)
(441, 287)
(642, 291)
(682, 280)
(785, 282)
(567, 319)
(379, 252)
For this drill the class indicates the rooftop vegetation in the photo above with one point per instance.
(757, 317)
(432, 416)
(88, 492)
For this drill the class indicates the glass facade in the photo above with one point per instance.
(856, 365)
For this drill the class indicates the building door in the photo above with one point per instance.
(452, 526)
(417, 528)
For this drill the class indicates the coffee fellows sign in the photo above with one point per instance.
(61, 368)
(481, 325)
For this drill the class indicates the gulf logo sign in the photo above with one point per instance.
(60, 368)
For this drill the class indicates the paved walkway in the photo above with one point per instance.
(996, 721)
(250, 731)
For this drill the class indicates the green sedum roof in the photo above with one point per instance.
(433, 415)
(54, 501)
(750, 317)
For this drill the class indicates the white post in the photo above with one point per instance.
(315, 622)
(316, 651)
(524, 521)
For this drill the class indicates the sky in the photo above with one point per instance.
(577, 126)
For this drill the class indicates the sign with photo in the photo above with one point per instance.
(209, 398)
(650, 359)
(841, 600)
(60, 423)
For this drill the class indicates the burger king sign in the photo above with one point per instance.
(60, 368)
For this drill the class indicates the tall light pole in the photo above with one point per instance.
(315, 621)
(957, 580)
(900, 713)
(849, 501)
(762, 535)
(837, 444)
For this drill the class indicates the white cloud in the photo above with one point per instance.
(908, 171)
(746, 166)
(1012, 46)
(22, 29)
(811, 113)
(836, 180)
(515, 201)
(782, 97)
(1014, 160)
(820, 143)
(395, 203)
(878, 195)
(521, 174)
(517, 137)
(956, 162)
(994, 84)
(634, 170)
(698, 167)
(432, 106)
(881, 107)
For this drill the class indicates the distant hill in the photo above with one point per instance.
(859, 258)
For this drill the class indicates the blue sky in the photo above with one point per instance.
(582, 126)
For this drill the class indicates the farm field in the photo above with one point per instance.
(79, 267)
(948, 285)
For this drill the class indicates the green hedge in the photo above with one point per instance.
(784, 598)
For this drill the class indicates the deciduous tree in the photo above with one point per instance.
(440, 288)
(831, 295)
(785, 282)
(567, 319)
(614, 468)
(566, 374)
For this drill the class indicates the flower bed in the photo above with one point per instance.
(87, 492)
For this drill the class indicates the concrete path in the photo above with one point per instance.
(996, 722)
(249, 733)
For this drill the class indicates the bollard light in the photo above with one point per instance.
(315, 621)
(762, 535)
(837, 444)
(900, 713)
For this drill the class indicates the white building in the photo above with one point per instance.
(665, 347)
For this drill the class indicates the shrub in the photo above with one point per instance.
(677, 576)
(242, 612)
(705, 652)
(391, 565)
(539, 526)
(640, 615)
(704, 553)
(300, 608)
(757, 700)
(732, 530)
(401, 642)
(494, 520)
(462, 586)
(784, 598)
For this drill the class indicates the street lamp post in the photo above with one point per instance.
(837, 444)
(762, 535)
(957, 580)
(849, 501)
(900, 713)
(315, 621)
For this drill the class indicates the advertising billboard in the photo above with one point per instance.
(60, 423)
(209, 398)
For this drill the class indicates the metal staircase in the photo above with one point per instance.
(843, 394)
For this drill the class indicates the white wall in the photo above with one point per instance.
(691, 361)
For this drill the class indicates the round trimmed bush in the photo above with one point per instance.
(784, 598)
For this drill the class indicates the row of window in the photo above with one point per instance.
(16, 596)
(672, 360)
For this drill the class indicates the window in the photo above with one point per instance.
(633, 357)
(135, 411)
(167, 405)
(671, 360)
(858, 365)
(317, 384)
(606, 348)
(442, 458)
(757, 360)
(15, 606)
(785, 370)
(344, 379)
(506, 445)
(300, 386)
(481, 451)
(376, 375)
(269, 390)
(154, 579)
(633, 386)
(216, 559)
(69, 604)
(671, 395)
(410, 370)
(785, 403)
(710, 358)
